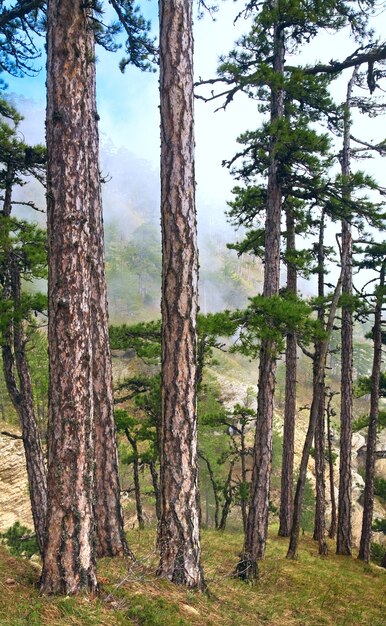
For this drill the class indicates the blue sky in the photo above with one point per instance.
(128, 105)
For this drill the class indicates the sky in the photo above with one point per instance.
(129, 113)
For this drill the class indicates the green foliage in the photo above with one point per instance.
(364, 386)
(144, 338)
(377, 552)
(21, 540)
(379, 525)
(380, 488)
(363, 422)
(271, 319)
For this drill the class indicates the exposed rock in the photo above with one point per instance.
(14, 492)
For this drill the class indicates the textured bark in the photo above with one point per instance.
(318, 392)
(257, 523)
(368, 499)
(320, 504)
(111, 539)
(319, 389)
(69, 556)
(344, 531)
(179, 529)
(332, 529)
(243, 453)
(287, 469)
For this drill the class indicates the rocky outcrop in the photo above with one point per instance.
(14, 493)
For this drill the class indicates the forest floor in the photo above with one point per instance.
(312, 591)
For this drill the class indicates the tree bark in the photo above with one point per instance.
(137, 488)
(287, 468)
(69, 556)
(319, 389)
(228, 498)
(257, 524)
(344, 530)
(111, 540)
(368, 503)
(154, 479)
(179, 529)
(320, 503)
(332, 529)
(244, 503)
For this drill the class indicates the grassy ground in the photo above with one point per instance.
(313, 591)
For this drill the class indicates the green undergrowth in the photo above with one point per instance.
(334, 591)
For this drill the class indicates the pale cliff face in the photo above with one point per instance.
(14, 494)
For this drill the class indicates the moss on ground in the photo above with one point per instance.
(312, 591)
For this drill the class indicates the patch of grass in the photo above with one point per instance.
(311, 591)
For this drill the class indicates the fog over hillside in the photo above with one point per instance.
(133, 240)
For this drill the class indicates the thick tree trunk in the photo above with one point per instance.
(344, 531)
(179, 529)
(287, 468)
(332, 529)
(69, 556)
(257, 524)
(318, 392)
(368, 500)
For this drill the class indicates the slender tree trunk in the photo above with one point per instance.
(111, 540)
(137, 487)
(69, 556)
(228, 499)
(368, 503)
(315, 407)
(332, 529)
(15, 359)
(244, 503)
(23, 404)
(257, 524)
(154, 479)
(179, 529)
(214, 487)
(344, 530)
(320, 504)
(287, 468)
(319, 389)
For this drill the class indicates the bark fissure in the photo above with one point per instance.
(179, 528)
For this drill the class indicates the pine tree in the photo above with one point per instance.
(179, 528)
(22, 257)
(73, 195)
